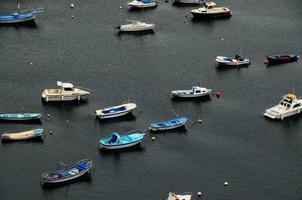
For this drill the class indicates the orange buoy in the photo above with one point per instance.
(266, 61)
(218, 94)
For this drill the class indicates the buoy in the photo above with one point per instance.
(218, 94)
(226, 183)
(48, 115)
(72, 16)
(222, 39)
(121, 7)
(67, 120)
(50, 132)
(199, 194)
(71, 5)
(31, 63)
(153, 138)
(199, 121)
(266, 61)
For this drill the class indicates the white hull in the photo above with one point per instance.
(139, 4)
(188, 1)
(114, 116)
(20, 136)
(166, 128)
(129, 108)
(273, 115)
(63, 97)
(66, 179)
(120, 146)
(134, 28)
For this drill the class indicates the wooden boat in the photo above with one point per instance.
(115, 111)
(232, 61)
(116, 141)
(196, 91)
(72, 172)
(170, 124)
(210, 11)
(20, 16)
(279, 59)
(20, 116)
(35, 133)
(142, 4)
(184, 196)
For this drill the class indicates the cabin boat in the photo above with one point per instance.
(115, 111)
(135, 26)
(232, 61)
(25, 135)
(65, 92)
(196, 91)
(142, 4)
(288, 106)
(185, 196)
(116, 141)
(72, 172)
(168, 125)
(279, 59)
(211, 11)
(20, 16)
(189, 2)
(20, 116)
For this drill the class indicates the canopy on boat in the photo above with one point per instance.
(64, 85)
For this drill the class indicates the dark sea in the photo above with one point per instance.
(261, 159)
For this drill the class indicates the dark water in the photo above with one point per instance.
(260, 158)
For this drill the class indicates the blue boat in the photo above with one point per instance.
(116, 141)
(20, 16)
(279, 59)
(75, 171)
(20, 116)
(116, 111)
(170, 124)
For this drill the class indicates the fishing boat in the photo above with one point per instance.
(25, 135)
(209, 10)
(232, 61)
(20, 116)
(279, 59)
(196, 91)
(20, 16)
(65, 92)
(184, 196)
(288, 106)
(116, 141)
(72, 172)
(135, 26)
(115, 111)
(170, 124)
(142, 4)
(194, 2)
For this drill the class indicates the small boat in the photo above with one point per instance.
(185, 196)
(279, 59)
(115, 111)
(170, 124)
(232, 61)
(135, 26)
(75, 171)
(35, 133)
(20, 16)
(194, 2)
(20, 116)
(116, 141)
(196, 91)
(65, 92)
(210, 11)
(142, 4)
(288, 106)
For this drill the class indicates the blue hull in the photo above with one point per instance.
(20, 116)
(167, 125)
(19, 17)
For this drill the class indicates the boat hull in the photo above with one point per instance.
(190, 95)
(136, 29)
(112, 147)
(19, 117)
(272, 115)
(115, 115)
(200, 15)
(138, 4)
(27, 135)
(167, 128)
(16, 21)
(194, 2)
(273, 61)
(63, 97)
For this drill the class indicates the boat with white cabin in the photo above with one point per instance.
(142, 4)
(196, 91)
(184, 196)
(65, 92)
(232, 61)
(115, 111)
(288, 106)
(209, 10)
(135, 26)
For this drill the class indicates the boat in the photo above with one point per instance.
(279, 59)
(136, 26)
(65, 92)
(20, 16)
(196, 91)
(184, 196)
(116, 141)
(170, 124)
(115, 111)
(25, 135)
(288, 106)
(194, 2)
(72, 172)
(232, 61)
(20, 116)
(142, 4)
(209, 10)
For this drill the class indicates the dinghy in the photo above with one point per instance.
(116, 141)
(232, 61)
(196, 91)
(135, 26)
(75, 171)
(279, 59)
(142, 4)
(35, 133)
(185, 196)
(20, 116)
(115, 111)
(20, 16)
(170, 124)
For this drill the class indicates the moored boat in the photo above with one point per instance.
(135, 26)
(20, 116)
(116, 141)
(279, 59)
(72, 172)
(115, 111)
(170, 124)
(196, 91)
(20, 16)
(211, 11)
(142, 4)
(25, 135)
(232, 61)
(189, 2)
(184, 196)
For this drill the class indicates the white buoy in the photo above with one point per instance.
(31, 63)
(153, 138)
(71, 5)
(50, 132)
(222, 39)
(48, 115)
(226, 183)
(199, 194)
(120, 7)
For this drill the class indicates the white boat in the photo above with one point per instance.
(196, 91)
(25, 135)
(288, 106)
(185, 196)
(65, 92)
(136, 26)
(210, 11)
(142, 4)
(232, 61)
(115, 111)
(188, 1)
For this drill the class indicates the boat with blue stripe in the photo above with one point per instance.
(20, 16)
(75, 171)
(25, 135)
(116, 141)
(115, 111)
(170, 124)
(20, 116)
(232, 61)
